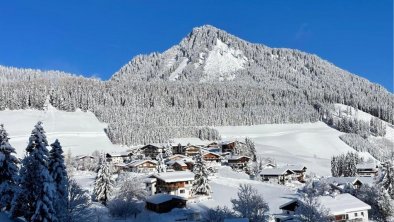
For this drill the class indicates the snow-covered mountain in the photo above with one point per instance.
(211, 78)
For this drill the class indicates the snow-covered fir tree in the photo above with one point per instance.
(345, 164)
(103, 184)
(251, 148)
(161, 165)
(386, 179)
(200, 184)
(8, 170)
(36, 194)
(167, 151)
(58, 171)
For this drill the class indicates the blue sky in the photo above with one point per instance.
(93, 37)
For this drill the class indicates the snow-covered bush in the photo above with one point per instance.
(123, 208)
(250, 204)
(78, 203)
(218, 214)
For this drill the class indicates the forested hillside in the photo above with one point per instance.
(210, 78)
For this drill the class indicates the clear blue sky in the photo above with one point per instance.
(98, 37)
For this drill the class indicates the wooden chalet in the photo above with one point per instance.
(192, 150)
(152, 150)
(340, 183)
(211, 157)
(142, 166)
(229, 146)
(174, 183)
(276, 175)
(115, 158)
(299, 172)
(342, 207)
(367, 169)
(238, 162)
(179, 165)
(163, 203)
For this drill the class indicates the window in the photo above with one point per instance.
(181, 191)
(362, 214)
(355, 214)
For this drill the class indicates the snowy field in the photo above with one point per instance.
(309, 144)
(79, 131)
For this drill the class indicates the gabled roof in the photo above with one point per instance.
(337, 205)
(204, 152)
(176, 156)
(236, 157)
(296, 167)
(342, 204)
(275, 171)
(349, 180)
(366, 166)
(162, 198)
(139, 162)
(176, 176)
(158, 145)
(180, 162)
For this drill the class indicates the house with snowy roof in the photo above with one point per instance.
(163, 203)
(211, 156)
(367, 169)
(299, 172)
(152, 150)
(276, 175)
(143, 166)
(341, 207)
(340, 183)
(229, 146)
(238, 162)
(121, 157)
(175, 183)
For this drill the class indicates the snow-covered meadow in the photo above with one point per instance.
(78, 131)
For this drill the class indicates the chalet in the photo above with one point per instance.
(115, 158)
(152, 150)
(339, 183)
(142, 166)
(213, 145)
(179, 144)
(163, 203)
(175, 183)
(299, 172)
(179, 165)
(211, 157)
(229, 146)
(342, 207)
(238, 162)
(367, 169)
(84, 162)
(176, 157)
(276, 175)
(192, 150)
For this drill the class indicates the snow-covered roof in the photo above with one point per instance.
(180, 156)
(209, 152)
(236, 157)
(162, 197)
(342, 204)
(295, 167)
(351, 180)
(180, 162)
(177, 176)
(158, 145)
(83, 157)
(366, 166)
(139, 162)
(186, 141)
(274, 171)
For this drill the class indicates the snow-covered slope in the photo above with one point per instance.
(311, 144)
(349, 111)
(78, 131)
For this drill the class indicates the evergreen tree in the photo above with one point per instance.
(386, 179)
(58, 171)
(161, 166)
(251, 148)
(104, 184)
(8, 170)
(200, 184)
(36, 193)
